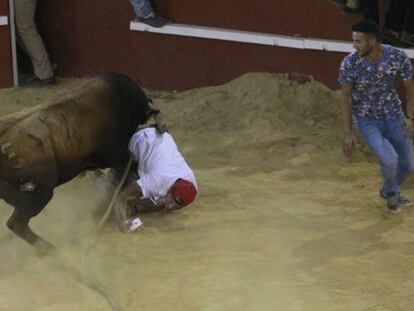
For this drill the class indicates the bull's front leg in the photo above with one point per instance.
(19, 224)
(27, 205)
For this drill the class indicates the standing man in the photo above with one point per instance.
(166, 182)
(368, 77)
(24, 11)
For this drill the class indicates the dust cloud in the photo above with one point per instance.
(282, 221)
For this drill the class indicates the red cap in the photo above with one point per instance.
(184, 191)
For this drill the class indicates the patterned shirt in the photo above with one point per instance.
(374, 93)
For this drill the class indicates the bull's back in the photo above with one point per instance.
(85, 124)
(86, 127)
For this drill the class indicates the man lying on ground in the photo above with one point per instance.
(165, 181)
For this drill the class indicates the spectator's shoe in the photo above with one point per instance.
(391, 37)
(38, 82)
(407, 38)
(351, 11)
(338, 2)
(154, 20)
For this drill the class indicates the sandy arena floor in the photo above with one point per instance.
(282, 221)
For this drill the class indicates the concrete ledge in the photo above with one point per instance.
(251, 37)
(4, 20)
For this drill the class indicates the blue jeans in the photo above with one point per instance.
(393, 146)
(142, 8)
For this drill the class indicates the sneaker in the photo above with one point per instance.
(351, 11)
(38, 82)
(154, 21)
(392, 37)
(338, 2)
(393, 203)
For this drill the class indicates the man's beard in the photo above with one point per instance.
(366, 53)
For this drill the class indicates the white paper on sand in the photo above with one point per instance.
(135, 224)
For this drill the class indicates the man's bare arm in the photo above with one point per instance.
(409, 95)
(346, 109)
(409, 91)
(126, 199)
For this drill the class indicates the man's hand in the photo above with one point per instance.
(348, 145)
(160, 123)
(166, 204)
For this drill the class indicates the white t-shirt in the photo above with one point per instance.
(160, 163)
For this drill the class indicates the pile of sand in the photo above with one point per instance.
(255, 105)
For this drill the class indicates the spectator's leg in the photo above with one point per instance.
(409, 18)
(395, 15)
(370, 10)
(145, 14)
(394, 21)
(142, 8)
(341, 3)
(407, 35)
(26, 28)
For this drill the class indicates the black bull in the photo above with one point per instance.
(48, 145)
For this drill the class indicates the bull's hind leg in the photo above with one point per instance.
(26, 206)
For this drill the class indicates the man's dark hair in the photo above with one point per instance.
(368, 27)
